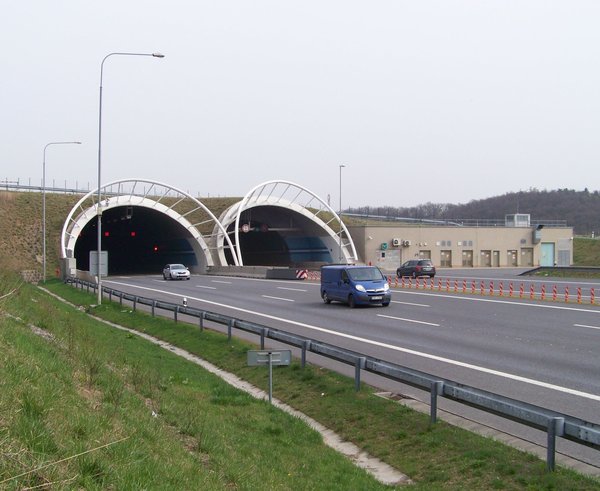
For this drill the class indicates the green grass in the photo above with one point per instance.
(76, 412)
(586, 251)
(207, 430)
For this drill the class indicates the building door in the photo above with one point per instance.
(547, 257)
(496, 259)
(486, 258)
(467, 259)
(446, 259)
(425, 254)
(512, 258)
(526, 256)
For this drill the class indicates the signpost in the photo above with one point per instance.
(103, 263)
(272, 357)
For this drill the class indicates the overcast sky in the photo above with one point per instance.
(441, 101)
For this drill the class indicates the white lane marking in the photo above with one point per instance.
(490, 371)
(207, 287)
(278, 298)
(589, 327)
(292, 289)
(408, 320)
(515, 301)
(288, 282)
(224, 282)
(507, 302)
(158, 281)
(409, 303)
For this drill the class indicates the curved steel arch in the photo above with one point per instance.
(148, 198)
(289, 195)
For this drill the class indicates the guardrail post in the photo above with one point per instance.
(436, 388)
(110, 295)
(201, 321)
(121, 298)
(360, 363)
(153, 307)
(135, 299)
(305, 347)
(175, 313)
(556, 427)
(230, 325)
(263, 333)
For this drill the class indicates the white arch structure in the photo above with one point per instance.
(147, 194)
(291, 196)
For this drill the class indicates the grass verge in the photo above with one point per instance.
(148, 379)
(85, 406)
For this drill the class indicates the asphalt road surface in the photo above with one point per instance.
(544, 353)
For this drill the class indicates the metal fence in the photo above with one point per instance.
(553, 423)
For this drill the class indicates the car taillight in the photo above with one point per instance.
(418, 268)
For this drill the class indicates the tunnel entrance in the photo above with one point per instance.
(276, 236)
(138, 241)
(145, 225)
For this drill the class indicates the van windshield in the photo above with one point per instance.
(365, 274)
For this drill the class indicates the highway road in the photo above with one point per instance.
(544, 353)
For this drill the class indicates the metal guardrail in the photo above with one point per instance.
(555, 424)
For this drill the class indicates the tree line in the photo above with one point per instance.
(581, 209)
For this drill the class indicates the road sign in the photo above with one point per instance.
(266, 357)
(270, 358)
(103, 263)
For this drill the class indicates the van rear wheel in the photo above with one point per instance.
(326, 298)
(351, 301)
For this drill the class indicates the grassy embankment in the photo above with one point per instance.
(86, 406)
(86, 385)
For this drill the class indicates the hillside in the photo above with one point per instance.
(21, 221)
(581, 209)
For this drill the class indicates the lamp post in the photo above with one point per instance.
(44, 204)
(340, 256)
(99, 209)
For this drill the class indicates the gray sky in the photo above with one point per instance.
(442, 101)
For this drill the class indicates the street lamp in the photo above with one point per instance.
(340, 257)
(44, 203)
(99, 210)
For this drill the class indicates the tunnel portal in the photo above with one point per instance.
(138, 241)
(276, 236)
(147, 224)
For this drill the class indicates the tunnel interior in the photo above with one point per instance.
(138, 241)
(276, 236)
